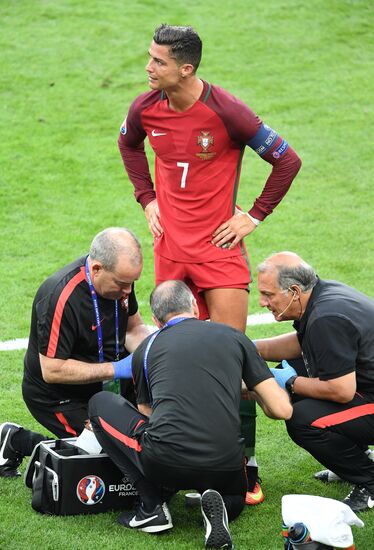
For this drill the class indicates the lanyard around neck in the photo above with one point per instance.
(170, 323)
(97, 317)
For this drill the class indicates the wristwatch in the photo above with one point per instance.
(289, 384)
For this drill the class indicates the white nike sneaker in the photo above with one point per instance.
(159, 519)
(9, 458)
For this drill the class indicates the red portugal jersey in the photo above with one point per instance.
(197, 169)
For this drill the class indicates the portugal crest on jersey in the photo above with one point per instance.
(205, 140)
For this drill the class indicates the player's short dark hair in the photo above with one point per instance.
(184, 43)
(170, 298)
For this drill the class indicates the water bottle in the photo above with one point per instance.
(298, 534)
(287, 544)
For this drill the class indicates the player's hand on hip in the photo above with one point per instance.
(232, 231)
(152, 214)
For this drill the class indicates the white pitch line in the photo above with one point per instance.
(260, 319)
(252, 320)
(11, 345)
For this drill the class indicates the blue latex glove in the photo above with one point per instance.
(122, 368)
(283, 374)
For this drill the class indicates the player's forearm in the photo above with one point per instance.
(282, 175)
(137, 168)
(277, 348)
(283, 413)
(135, 336)
(274, 401)
(340, 390)
(71, 371)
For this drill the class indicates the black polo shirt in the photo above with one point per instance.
(195, 372)
(336, 334)
(63, 326)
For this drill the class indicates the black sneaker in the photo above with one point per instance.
(214, 513)
(9, 458)
(359, 499)
(159, 519)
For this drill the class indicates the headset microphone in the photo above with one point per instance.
(289, 304)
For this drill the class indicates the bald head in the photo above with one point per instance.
(115, 242)
(285, 258)
(290, 270)
(171, 298)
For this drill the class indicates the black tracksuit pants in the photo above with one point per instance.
(120, 429)
(337, 435)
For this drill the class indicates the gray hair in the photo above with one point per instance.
(110, 243)
(170, 298)
(302, 275)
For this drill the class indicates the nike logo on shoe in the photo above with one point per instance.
(156, 134)
(137, 523)
(4, 460)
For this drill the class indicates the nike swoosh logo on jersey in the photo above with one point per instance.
(137, 523)
(156, 134)
(4, 460)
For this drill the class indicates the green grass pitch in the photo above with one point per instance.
(69, 71)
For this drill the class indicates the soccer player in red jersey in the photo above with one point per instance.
(199, 133)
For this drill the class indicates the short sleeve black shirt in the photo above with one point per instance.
(195, 371)
(336, 334)
(63, 326)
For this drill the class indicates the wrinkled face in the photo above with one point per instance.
(116, 284)
(163, 71)
(284, 306)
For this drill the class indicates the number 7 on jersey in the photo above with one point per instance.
(185, 166)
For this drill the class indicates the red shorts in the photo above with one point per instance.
(232, 272)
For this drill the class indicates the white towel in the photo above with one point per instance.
(88, 442)
(328, 520)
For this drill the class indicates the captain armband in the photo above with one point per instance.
(264, 140)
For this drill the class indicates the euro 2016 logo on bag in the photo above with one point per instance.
(90, 490)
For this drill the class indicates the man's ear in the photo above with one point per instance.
(186, 70)
(195, 308)
(96, 266)
(156, 322)
(295, 290)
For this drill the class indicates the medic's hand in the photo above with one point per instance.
(283, 374)
(152, 214)
(123, 367)
(232, 231)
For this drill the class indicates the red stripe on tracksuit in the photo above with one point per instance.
(59, 310)
(344, 416)
(61, 418)
(128, 441)
(138, 424)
